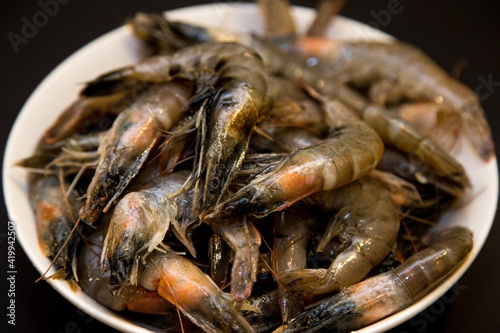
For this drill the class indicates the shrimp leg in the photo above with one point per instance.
(380, 296)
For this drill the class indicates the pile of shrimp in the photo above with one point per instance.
(232, 185)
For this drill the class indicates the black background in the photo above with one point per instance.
(450, 31)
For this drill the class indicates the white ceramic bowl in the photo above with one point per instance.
(119, 48)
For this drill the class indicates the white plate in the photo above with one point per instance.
(119, 48)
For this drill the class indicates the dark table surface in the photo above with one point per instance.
(451, 32)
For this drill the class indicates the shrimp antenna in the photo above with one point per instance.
(407, 231)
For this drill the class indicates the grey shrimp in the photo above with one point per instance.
(138, 225)
(351, 150)
(380, 296)
(395, 71)
(368, 224)
(127, 145)
(95, 283)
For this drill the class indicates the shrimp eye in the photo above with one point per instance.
(214, 184)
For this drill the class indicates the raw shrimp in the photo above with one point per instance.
(395, 71)
(422, 149)
(300, 131)
(292, 229)
(380, 296)
(139, 223)
(351, 150)
(368, 224)
(236, 77)
(95, 283)
(405, 166)
(133, 135)
(185, 286)
(56, 214)
(234, 113)
(244, 240)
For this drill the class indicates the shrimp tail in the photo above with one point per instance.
(165, 35)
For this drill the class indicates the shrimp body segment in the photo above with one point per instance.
(292, 229)
(380, 296)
